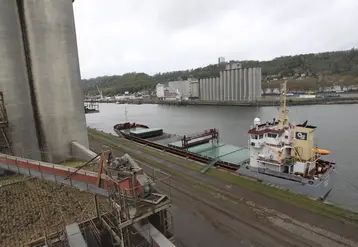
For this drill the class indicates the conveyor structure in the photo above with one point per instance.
(130, 190)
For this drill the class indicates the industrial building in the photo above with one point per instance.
(181, 89)
(233, 84)
(160, 91)
(40, 78)
(194, 89)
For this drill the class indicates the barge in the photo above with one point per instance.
(279, 153)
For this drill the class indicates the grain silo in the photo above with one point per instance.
(56, 78)
(14, 84)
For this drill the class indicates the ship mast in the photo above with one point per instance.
(283, 116)
(126, 112)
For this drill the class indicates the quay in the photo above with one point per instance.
(262, 102)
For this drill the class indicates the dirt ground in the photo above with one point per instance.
(209, 212)
(31, 208)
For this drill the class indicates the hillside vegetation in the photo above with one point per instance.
(305, 72)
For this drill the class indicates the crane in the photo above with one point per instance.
(100, 92)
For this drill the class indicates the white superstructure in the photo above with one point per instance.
(281, 147)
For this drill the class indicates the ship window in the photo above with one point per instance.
(271, 135)
(253, 136)
(261, 136)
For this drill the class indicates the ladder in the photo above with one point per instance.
(208, 166)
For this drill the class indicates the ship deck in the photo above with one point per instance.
(219, 151)
(212, 150)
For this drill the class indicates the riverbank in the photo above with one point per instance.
(263, 102)
(241, 207)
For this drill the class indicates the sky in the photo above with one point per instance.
(151, 36)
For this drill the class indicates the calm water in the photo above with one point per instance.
(337, 130)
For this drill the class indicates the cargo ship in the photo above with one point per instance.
(279, 153)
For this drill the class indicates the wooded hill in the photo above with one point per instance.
(320, 69)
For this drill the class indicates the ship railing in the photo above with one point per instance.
(201, 134)
(281, 174)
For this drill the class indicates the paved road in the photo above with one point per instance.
(226, 215)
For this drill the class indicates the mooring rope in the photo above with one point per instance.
(344, 178)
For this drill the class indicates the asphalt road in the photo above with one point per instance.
(221, 214)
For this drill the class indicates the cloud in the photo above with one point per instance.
(115, 37)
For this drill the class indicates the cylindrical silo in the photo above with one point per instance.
(241, 85)
(15, 85)
(211, 80)
(228, 78)
(237, 97)
(250, 83)
(225, 84)
(221, 86)
(228, 85)
(204, 89)
(201, 87)
(259, 87)
(218, 93)
(232, 79)
(56, 76)
(208, 88)
(254, 82)
(213, 88)
(217, 88)
(245, 84)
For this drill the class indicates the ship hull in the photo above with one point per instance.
(316, 189)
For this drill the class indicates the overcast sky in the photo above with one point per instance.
(120, 36)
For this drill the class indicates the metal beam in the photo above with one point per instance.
(74, 236)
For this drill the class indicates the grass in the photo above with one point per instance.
(332, 211)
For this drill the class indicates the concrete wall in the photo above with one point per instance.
(194, 92)
(182, 86)
(234, 84)
(210, 89)
(56, 75)
(15, 84)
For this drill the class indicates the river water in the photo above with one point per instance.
(337, 131)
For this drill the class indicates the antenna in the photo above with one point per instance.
(283, 117)
(126, 112)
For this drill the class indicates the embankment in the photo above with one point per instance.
(262, 102)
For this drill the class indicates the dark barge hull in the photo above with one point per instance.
(177, 151)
